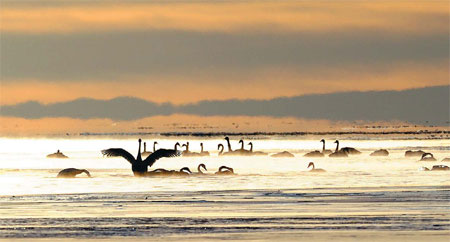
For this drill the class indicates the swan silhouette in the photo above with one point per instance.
(255, 152)
(72, 172)
(187, 152)
(411, 153)
(146, 153)
(324, 151)
(446, 159)
(229, 144)
(349, 150)
(313, 169)
(284, 154)
(220, 148)
(427, 157)
(139, 166)
(317, 153)
(225, 170)
(380, 152)
(202, 152)
(57, 154)
(337, 152)
(199, 169)
(163, 172)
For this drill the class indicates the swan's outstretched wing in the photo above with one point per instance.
(119, 152)
(151, 159)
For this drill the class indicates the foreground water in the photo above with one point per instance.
(360, 197)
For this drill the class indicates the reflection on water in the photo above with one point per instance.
(269, 194)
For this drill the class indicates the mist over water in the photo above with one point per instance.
(268, 195)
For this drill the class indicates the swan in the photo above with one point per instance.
(220, 148)
(225, 170)
(163, 172)
(317, 153)
(229, 144)
(187, 152)
(57, 154)
(176, 146)
(380, 152)
(427, 157)
(436, 168)
(72, 172)
(349, 150)
(255, 152)
(139, 166)
(199, 169)
(324, 151)
(411, 153)
(283, 154)
(337, 152)
(313, 169)
(145, 153)
(202, 152)
(446, 159)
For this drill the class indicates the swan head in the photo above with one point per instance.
(202, 166)
(139, 140)
(185, 169)
(226, 138)
(219, 145)
(311, 164)
(336, 142)
(241, 141)
(322, 140)
(156, 142)
(250, 143)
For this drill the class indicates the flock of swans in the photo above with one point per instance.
(140, 165)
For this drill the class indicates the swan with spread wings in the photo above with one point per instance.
(139, 166)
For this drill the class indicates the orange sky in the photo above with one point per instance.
(183, 52)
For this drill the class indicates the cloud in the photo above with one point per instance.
(415, 105)
(223, 16)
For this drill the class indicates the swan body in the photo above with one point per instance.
(411, 153)
(225, 170)
(436, 168)
(283, 154)
(313, 169)
(427, 157)
(139, 166)
(380, 152)
(446, 159)
(72, 172)
(315, 153)
(57, 154)
(337, 152)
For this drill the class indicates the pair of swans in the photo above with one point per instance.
(145, 152)
(241, 151)
(344, 152)
(185, 171)
(187, 152)
(138, 165)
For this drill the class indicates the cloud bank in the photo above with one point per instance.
(422, 105)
